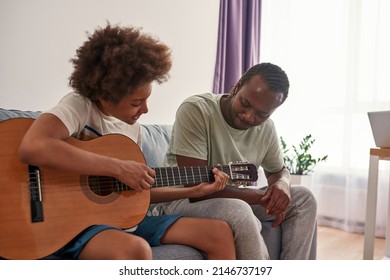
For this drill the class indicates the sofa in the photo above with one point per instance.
(155, 140)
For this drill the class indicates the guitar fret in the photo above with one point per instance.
(173, 176)
(164, 178)
(166, 173)
(178, 171)
(177, 175)
(193, 176)
(185, 171)
(162, 181)
(157, 177)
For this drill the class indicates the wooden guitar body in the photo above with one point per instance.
(69, 205)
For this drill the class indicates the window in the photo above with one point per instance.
(336, 54)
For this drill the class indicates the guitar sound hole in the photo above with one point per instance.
(101, 186)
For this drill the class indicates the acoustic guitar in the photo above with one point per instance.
(42, 209)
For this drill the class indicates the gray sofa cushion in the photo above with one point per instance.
(176, 252)
(10, 114)
(155, 140)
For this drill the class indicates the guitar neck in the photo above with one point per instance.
(183, 175)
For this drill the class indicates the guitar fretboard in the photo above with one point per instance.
(174, 176)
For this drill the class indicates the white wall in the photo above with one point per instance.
(39, 37)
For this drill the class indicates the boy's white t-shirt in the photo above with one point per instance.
(85, 121)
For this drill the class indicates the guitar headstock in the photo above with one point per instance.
(243, 172)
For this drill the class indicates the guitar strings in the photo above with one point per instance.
(109, 183)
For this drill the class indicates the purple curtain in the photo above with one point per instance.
(238, 41)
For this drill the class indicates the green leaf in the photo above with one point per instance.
(299, 160)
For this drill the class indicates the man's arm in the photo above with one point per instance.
(275, 200)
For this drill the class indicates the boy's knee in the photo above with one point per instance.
(138, 249)
(223, 228)
(143, 250)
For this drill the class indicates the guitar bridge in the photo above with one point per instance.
(35, 188)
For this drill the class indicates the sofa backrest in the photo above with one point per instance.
(11, 114)
(155, 137)
(155, 141)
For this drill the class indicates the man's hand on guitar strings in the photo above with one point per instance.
(220, 181)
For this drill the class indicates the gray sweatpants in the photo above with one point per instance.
(298, 230)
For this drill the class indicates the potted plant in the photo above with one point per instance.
(299, 161)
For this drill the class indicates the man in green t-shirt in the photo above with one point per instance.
(210, 129)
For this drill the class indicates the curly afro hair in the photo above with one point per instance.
(114, 61)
